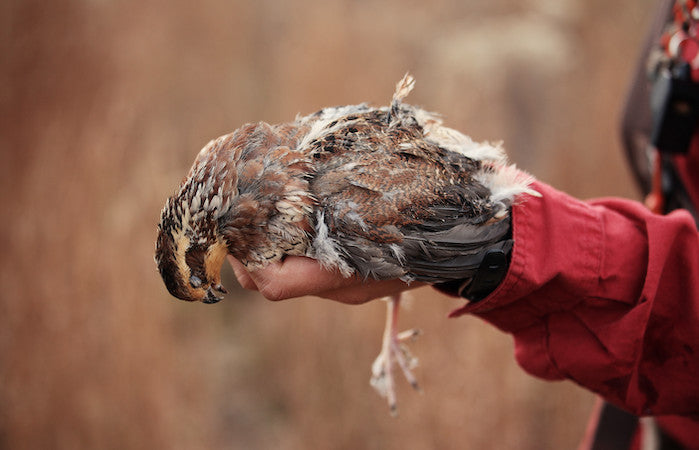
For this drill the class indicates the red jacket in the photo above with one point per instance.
(606, 294)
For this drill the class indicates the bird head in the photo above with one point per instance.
(189, 252)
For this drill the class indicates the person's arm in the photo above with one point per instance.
(606, 294)
(603, 293)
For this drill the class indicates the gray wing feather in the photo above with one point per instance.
(452, 253)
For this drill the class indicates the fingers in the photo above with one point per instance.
(370, 290)
(297, 276)
(294, 277)
(242, 274)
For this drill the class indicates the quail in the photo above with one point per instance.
(370, 192)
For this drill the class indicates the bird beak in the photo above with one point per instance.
(211, 297)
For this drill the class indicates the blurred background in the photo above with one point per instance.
(103, 106)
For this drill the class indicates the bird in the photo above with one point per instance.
(370, 192)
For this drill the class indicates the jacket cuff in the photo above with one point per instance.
(545, 248)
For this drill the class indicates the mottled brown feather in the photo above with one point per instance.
(381, 192)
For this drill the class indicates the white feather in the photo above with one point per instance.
(325, 249)
(505, 182)
(215, 202)
(319, 128)
(403, 87)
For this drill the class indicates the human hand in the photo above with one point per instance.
(297, 276)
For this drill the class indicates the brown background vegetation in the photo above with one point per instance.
(103, 106)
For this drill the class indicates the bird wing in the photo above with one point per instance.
(394, 205)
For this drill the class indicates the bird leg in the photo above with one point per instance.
(393, 349)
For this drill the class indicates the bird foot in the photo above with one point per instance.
(394, 351)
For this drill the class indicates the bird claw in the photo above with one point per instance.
(410, 335)
(394, 350)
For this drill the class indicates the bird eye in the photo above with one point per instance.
(195, 260)
(195, 281)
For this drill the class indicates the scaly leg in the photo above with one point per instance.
(393, 349)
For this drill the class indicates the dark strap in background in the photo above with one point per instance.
(615, 429)
(637, 123)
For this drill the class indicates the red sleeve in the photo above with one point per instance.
(606, 294)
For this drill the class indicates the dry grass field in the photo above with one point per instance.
(103, 106)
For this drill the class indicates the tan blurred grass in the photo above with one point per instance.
(104, 105)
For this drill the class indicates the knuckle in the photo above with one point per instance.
(247, 283)
(273, 292)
